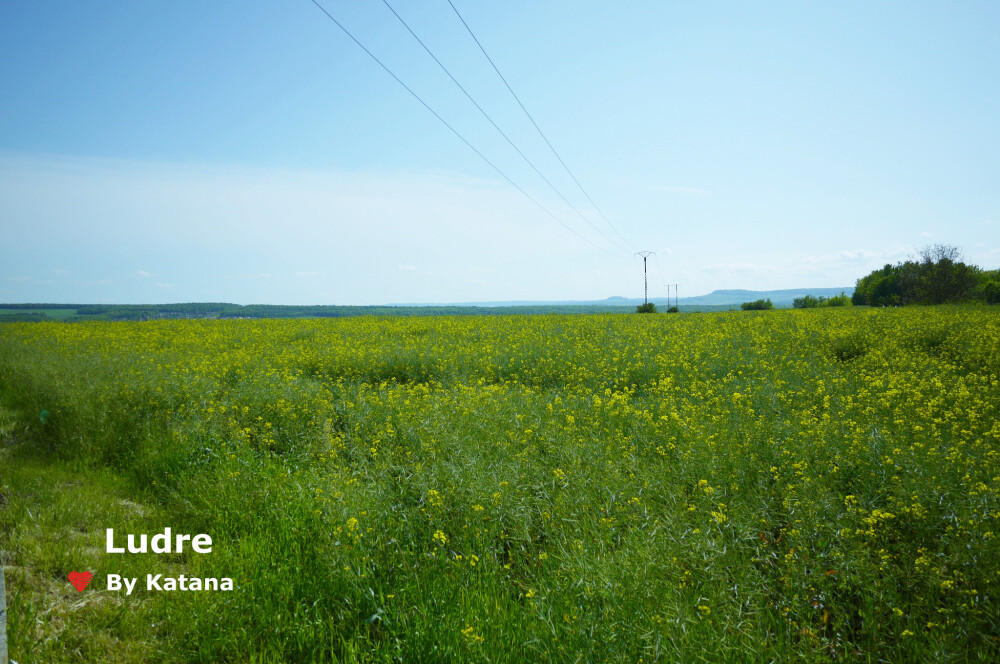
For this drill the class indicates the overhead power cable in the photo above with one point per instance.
(537, 128)
(455, 131)
(501, 131)
(660, 274)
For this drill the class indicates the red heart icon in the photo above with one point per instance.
(80, 579)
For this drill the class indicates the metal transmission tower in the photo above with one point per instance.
(645, 280)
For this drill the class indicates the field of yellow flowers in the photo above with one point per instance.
(807, 485)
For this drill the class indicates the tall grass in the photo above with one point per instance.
(793, 485)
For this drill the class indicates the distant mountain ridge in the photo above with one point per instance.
(780, 298)
(719, 300)
(734, 297)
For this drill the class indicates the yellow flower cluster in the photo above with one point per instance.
(837, 451)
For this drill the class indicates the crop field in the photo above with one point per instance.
(808, 485)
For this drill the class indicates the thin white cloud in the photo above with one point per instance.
(19, 279)
(926, 234)
(736, 267)
(60, 271)
(692, 191)
(853, 257)
(210, 222)
(841, 257)
(309, 273)
(167, 286)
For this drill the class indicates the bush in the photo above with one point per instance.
(648, 308)
(757, 305)
(807, 302)
(836, 301)
(673, 310)
(991, 292)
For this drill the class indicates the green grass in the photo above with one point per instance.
(776, 486)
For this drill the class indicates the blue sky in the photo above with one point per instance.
(250, 152)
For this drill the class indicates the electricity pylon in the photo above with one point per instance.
(645, 280)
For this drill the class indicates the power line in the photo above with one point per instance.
(537, 128)
(455, 131)
(501, 131)
(661, 275)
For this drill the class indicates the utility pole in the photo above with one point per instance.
(645, 280)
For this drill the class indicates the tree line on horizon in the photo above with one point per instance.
(937, 276)
(35, 312)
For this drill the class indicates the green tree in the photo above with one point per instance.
(757, 305)
(938, 276)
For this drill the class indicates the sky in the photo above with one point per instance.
(250, 152)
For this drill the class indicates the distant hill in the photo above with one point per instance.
(718, 298)
(139, 312)
(714, 301)
(780, 298)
